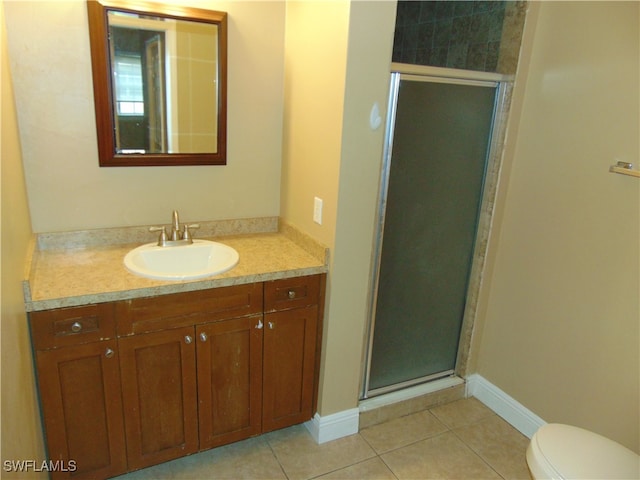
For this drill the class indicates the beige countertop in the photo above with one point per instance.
(63, 277)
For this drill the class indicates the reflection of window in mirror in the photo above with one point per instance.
(128, 84)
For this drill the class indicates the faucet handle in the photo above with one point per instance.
(162, 240)
(186, 234)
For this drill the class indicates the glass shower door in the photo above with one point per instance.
(436, 154)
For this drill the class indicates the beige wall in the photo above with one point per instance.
(49, 48)
(561, 313)
(315, 69)
(314, 96)
(371, 30)
(21, 432)
(332, 80)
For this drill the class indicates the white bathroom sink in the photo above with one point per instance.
(200, 259)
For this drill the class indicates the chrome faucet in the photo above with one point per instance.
(178, 236)
(175, 228)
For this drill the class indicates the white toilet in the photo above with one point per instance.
(561, 451)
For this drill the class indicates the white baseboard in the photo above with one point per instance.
(512, 411)
(341, 424)
(332, 427)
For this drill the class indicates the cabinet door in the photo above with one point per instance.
(82, 409)
(229, 380)
(288, 367)
(159, 395)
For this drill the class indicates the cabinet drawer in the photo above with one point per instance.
(186, 309)
(291, 293)
(72, 326)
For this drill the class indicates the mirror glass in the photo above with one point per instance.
(159, 77)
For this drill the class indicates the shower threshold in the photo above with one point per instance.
(409, 400)
(409, 383)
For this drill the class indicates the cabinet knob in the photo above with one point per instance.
(291, 294)
(203, 337)
(259, 325)
(188, 339)
(76, 327)
(271, 325)
(109, 353)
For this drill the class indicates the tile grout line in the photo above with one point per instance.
(284, 472)
(477, 454)
(469, 447)
(379, 456)
(388, 467)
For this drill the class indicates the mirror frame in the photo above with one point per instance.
(102, 84)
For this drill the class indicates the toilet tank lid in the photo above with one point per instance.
(577, 453)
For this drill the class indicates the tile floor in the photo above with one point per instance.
(459, 440)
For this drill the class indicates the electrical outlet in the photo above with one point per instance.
(317, 210)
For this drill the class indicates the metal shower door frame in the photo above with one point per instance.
(434, 75)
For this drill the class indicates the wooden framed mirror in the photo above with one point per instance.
(159, 82)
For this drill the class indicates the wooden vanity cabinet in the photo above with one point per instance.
(159, 394)
(189, 389)
(79, 383)
(289, 354)
(290, 339)
(147, 380)
(167, 367)
(229, 357)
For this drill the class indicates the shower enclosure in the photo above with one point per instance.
(438, 141)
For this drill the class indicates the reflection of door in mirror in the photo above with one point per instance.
(139, 90)
(154, 80)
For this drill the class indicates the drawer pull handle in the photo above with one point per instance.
(291, 294)
(271, 325)
(259, 325)
(109, 353)
(203, 337)
(188, 339)
(76, 327)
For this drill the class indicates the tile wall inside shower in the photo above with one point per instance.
(470, 35)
